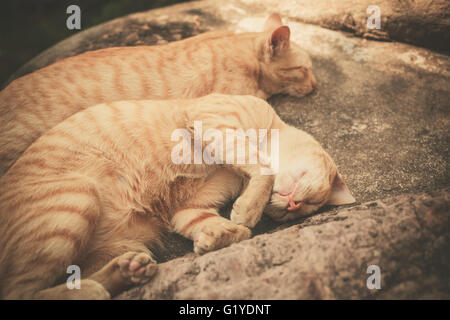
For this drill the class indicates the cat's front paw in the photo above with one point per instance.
(245, 214)
(216, 236)
(137, 267)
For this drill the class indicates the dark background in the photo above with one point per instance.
(28, 27)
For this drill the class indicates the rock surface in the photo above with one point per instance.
(325, 257)
(420, 22)
(381, 111)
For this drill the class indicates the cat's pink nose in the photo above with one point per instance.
(294, 205)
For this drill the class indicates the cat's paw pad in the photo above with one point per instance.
(216, 236)
(137, 267)
(245, 215)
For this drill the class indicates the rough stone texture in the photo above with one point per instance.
(325, 257)
(381, 111)
(421, 22)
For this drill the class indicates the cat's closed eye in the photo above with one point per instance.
(300, 68)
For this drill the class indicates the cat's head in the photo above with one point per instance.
(307, 178)
(285, 67)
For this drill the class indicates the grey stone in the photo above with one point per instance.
(420, 22)
(325, 256)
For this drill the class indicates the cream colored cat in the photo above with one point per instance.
(259, 64)
(100, 188)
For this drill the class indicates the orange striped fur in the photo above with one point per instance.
(259, 64)
(99, 189)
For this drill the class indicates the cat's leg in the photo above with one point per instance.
(207, 229)
(239, 117)
(126, 270)
(133, 267)
(249, 206)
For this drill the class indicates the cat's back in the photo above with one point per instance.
(122, 131)
(127, 132)
(109, 56)
(113, 133)
(91, 62)
(111, 74)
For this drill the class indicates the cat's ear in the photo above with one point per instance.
(279, 40)
(272, 22)
(340, 194)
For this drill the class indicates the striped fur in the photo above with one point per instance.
(220, 62)
(99, 189)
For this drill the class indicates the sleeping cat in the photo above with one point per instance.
(100, 188)
(260, 64)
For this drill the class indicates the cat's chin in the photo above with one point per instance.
(283, 218)
(301, 93)
(279, 214)
(287, 216)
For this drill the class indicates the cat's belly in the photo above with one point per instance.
(221, 186)
(128, 222)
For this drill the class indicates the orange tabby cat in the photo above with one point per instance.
(100, 188)
(259, 64)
